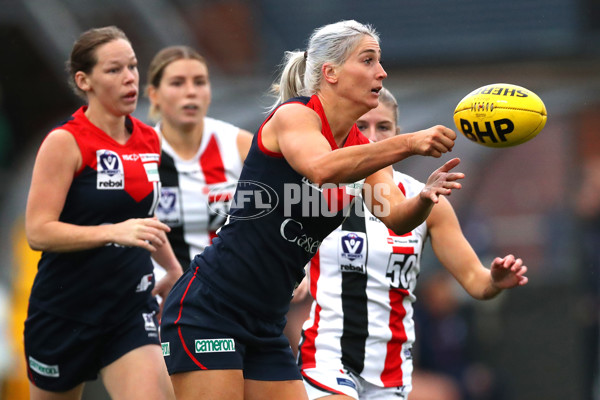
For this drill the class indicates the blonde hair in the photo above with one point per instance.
(301, 72)
(387, 98)
(161, 60)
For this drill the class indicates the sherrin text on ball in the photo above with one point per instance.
(500, 115)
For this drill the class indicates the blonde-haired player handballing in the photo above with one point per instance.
(224, 319)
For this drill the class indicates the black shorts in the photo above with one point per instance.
(204, 332)
(62, 353)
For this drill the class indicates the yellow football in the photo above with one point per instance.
(500, 115)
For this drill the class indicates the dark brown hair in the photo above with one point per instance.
(83, 55)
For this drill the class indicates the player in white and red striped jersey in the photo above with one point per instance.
(202, 157)
(357, 341)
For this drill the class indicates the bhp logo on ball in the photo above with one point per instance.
(494, 131)
(500, 115)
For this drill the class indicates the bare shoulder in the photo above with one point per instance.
(61, 139)
(293, 114)
(60, 146)
(243, 141)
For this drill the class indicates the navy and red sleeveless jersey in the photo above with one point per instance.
(277, 221)
(116, 182)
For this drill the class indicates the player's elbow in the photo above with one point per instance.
(35, 243)
(321, 176)
(35, 238)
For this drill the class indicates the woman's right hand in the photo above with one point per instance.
(147, 233)
(433, 142)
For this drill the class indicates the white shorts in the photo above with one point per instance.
(321, 382)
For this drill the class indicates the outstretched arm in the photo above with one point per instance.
(295, 131)
(458, 257)
(385, 200)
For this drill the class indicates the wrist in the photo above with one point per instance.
(493, 288)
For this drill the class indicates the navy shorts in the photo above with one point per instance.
(204, 332)
(62, 353)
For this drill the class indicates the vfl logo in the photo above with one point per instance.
(109, 171)
(149, 324)
(251, 200)
(352, 246)
(169, 210)
(168, 200)
(108, 162)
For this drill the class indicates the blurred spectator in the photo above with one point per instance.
(445, 349)
(587, 209)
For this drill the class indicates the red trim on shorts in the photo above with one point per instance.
(184, 294)
(320, 386)
(29, 372)
(188, 352)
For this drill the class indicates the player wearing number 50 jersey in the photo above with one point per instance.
(363, 278)
(357, 342)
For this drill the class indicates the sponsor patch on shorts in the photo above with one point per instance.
(214, 345)
(166, 348)
(346, 382)
(43, 369)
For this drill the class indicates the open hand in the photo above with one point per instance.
(442, 181)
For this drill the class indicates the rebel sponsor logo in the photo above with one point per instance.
(50, 371)
(214, 345)
(353, 268)
(110, 174)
